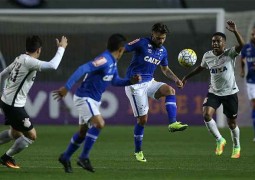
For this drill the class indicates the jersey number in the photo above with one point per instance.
(15, 72)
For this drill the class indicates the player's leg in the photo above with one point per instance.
(74, 144)
(137, 95)
(253, 117)
(230, 109)
(90, 116)
(6, 136)
(24, 131)
(158, 90)
(211, 103)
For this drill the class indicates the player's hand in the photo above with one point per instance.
(184, 81)
(231, 26)
(179, 83)
(60, 93)
(62, 43)
(136, 79)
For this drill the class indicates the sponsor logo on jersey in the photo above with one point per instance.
(133, 42)
(99, 61)
(149, 46)
(152, 60)
(149, 50)
(107, 77)
(218, 70)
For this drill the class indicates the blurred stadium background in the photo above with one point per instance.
(88, 33)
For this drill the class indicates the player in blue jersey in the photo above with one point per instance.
(248, 58)
(99, 73)
(149, 53)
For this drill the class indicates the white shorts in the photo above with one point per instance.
(138, 96)
(251, 91)
(86, 108)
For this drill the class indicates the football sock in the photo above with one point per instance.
(21, 143)
(74, 144)
(5, 136)
(253, 120)
(171, 108)
(213, 129)
(90, 139)
(138, 137)
(235, 135)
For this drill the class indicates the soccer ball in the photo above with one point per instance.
(187, 57)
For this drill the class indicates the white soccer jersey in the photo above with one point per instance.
(22, 75)
(222, 82)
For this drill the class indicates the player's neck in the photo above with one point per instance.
(34, 55)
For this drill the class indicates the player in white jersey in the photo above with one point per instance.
(223, 89)
(16, 81)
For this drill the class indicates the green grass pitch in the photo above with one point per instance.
(179, 155)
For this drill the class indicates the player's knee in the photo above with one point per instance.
(142, 121)
(100, 125)
(168, 90)
(207, 117)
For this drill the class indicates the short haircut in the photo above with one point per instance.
(115, 42)
(220, 34)
(160, 27)
(33, 43)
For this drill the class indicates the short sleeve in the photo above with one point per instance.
(133, 45)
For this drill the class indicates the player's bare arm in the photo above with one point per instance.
(169, 73)
(232, 27)
(242, 72)
(60, 93)
(197, 70)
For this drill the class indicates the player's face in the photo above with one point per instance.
(253, 36)
(158, 38)
(218, 45)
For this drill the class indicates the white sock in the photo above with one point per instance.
(213, 129)
(21, 143)
(235, 134)
(5, 136)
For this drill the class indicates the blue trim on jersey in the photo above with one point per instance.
(98, 75)
(146, 58)
(248, 52)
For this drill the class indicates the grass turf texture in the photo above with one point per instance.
(179, 155)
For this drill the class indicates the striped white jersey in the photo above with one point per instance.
(22, 73)
(222, 82)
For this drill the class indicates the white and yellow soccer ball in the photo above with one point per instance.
(187, 57)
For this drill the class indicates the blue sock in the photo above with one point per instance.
(90, 139)
(171, 108)
(75, 143)
(138, 137)
(253, 119)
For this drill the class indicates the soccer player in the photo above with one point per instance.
(248, 58)
(98, 74)
(148, 54)
(223, 89)
(20, 76)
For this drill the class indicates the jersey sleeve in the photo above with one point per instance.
(32, 63)
(117, 81)
(96, 64)
(203, 63)
(133, 45)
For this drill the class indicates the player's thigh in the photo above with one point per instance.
(230, 106)
(210, 104)
(17, 117)
(87, 108)
(153, 88)
(137, 95)
(251, 91)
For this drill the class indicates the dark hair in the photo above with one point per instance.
(220, 34)
(115, 42)
(33, 43)
(160, 27)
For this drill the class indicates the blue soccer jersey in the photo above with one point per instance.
(248, 52)
(99, 73)
(146, 58)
